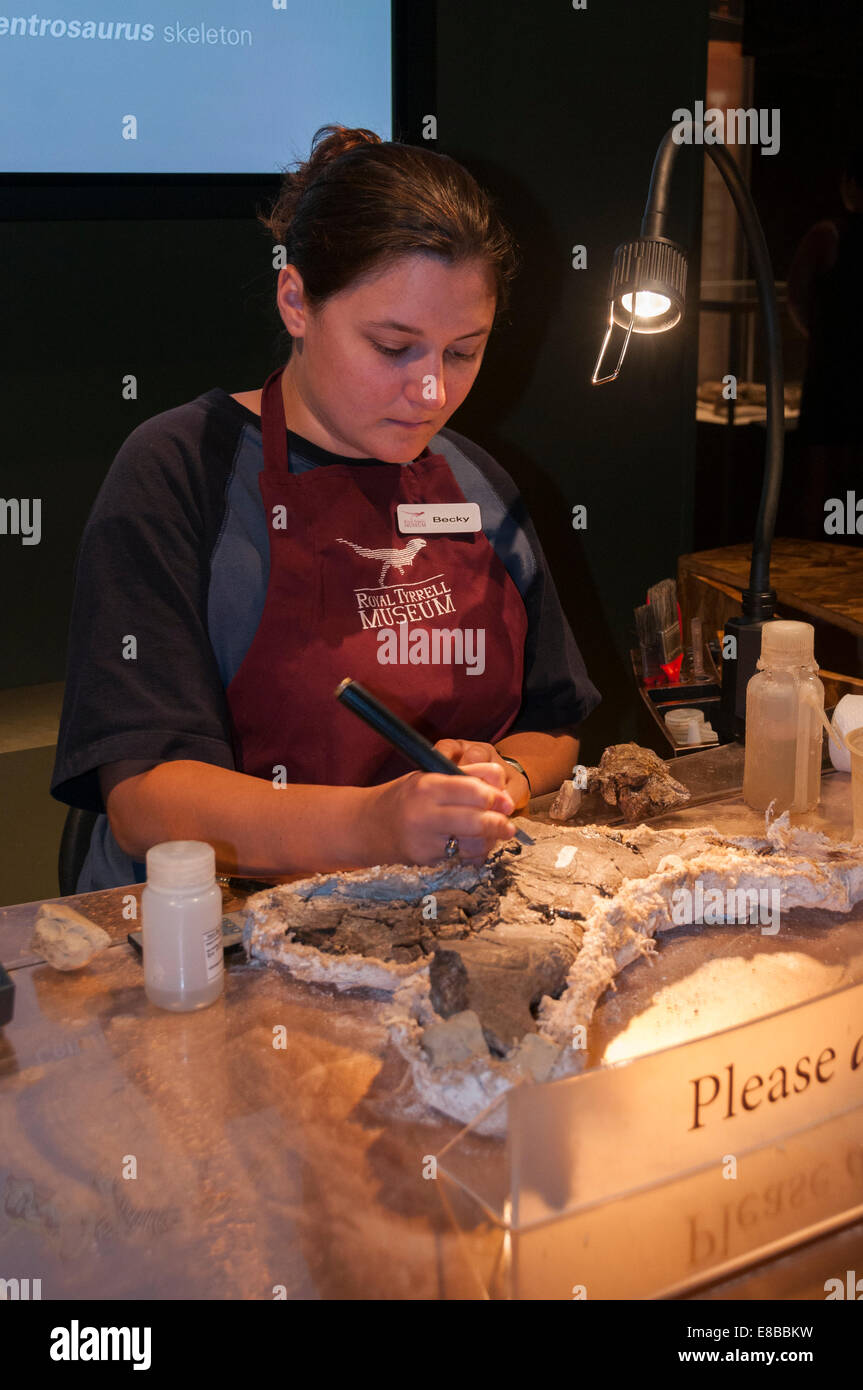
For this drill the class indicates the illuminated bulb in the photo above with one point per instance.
(647, 304)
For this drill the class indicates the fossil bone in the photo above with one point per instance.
(630, 777)
(559, 918)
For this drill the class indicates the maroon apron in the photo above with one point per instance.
(340, 573)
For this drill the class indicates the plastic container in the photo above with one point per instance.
(784, 710)
(688, 726)
(847, 716)
(181, 905)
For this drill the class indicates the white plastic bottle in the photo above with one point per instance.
(784, 708)
(182, 926)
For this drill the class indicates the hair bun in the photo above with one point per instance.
(331, 141)
(328, 144)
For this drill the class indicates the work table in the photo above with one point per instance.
(262, 1168)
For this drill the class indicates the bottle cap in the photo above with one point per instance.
(787, 644)
(181, 864)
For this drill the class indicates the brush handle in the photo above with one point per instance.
(407, 740)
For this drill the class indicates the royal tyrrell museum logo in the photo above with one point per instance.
(394, 604)
(399, 558)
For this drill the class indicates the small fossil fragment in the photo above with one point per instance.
(65, 938)
(457, 1039)
(629, 777)
(636, 780)
(535, 1056)
(567, 802)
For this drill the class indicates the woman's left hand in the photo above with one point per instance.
(471, 756)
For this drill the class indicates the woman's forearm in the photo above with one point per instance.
(257, 830)
(547, 758)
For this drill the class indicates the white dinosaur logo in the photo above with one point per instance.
(393, 559)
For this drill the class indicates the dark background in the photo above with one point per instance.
(558, 113)
(807, 63)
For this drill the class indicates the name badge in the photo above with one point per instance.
(438, 516)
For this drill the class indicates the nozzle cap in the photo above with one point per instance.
(786, 643)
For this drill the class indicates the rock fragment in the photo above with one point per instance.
(66, 938)
(636, 781)
(457, 1039)
(500, 979)
(566, 803)
(535, 1056)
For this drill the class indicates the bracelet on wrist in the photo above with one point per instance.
(518, 767)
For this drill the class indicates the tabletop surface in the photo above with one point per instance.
(261, 1169)
(815, 577)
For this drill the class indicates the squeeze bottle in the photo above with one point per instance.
(784, 715)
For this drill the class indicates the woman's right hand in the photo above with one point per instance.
(423, 809)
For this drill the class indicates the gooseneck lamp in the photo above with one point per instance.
(646, 295)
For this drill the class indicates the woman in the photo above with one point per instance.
(246, 552)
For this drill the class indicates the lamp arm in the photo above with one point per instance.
(758, 601)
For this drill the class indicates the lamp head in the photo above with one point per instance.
(646, 292)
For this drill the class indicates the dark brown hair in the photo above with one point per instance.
(359, 203)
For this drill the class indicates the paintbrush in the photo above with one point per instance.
(662, 598)
(648, 641)
(418, 749)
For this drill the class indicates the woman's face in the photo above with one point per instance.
(402, 345)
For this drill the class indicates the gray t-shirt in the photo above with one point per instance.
(175, 557)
